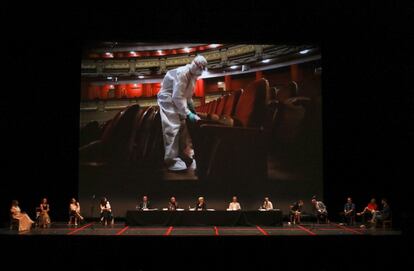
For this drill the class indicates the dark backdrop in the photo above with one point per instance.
(367, 105)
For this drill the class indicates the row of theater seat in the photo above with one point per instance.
(132, 138)
(224, 105)
(235, 136)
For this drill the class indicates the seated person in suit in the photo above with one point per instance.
(173, 204)
(320, 210)
(44, 219)
(367, 213)
(295, 212)
(106, 211)
(74, 211)
(234, 205)
(267, 204)
(201, 204)
(384, 214)
(348, 215)
(145, 204)
(25, 223)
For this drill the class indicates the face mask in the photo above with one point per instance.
(196, 71)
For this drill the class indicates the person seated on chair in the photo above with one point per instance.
(201, 204)
(25, 223)
(234, 205)
(348, 215)
(74, 211)
(145, 204)
(173, 204)
(295, 212)
(44, 219)
(384, 214)
(320, 210)
(267, 204)
(368, 212)
(106, 211)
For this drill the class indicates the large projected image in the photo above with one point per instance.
(166, 120)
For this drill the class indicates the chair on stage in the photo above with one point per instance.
(37, 219)
(14, 223)
(322, 219)
(387, 224)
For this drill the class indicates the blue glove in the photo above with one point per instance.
(191, 107)
(193, 117)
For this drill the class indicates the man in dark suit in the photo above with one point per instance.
(145, 204)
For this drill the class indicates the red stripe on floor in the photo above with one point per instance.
(122, 231)
(216, 231)
(81, 228)
(168, 231)
(237, 229)
(147, 229)
(262, 230)
(305, 229)
(192, 229)
(347, 229)
(282, 229)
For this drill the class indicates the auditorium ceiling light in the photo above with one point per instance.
(266, 61)
(141, 77)
(109, 77)
(234, 67)
(304, 52)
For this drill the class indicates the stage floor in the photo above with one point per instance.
(95, 228)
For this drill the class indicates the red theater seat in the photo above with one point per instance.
(213, 107)
(219, 106)
(134, 138)
(148, 133)
(231, 102)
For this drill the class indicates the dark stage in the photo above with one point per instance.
(118, 247)
(308, 229)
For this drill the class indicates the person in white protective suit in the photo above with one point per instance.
(176, 105)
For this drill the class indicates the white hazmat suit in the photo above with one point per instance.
(175, 101)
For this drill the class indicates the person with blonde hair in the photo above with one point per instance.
(25, 223)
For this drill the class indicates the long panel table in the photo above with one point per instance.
(204, 218)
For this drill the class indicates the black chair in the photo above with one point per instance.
(14, 223)
(37, 220)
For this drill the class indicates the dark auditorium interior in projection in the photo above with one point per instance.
(260, 133)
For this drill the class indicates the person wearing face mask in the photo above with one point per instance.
(176, 105)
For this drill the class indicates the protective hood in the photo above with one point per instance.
(198, 65)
